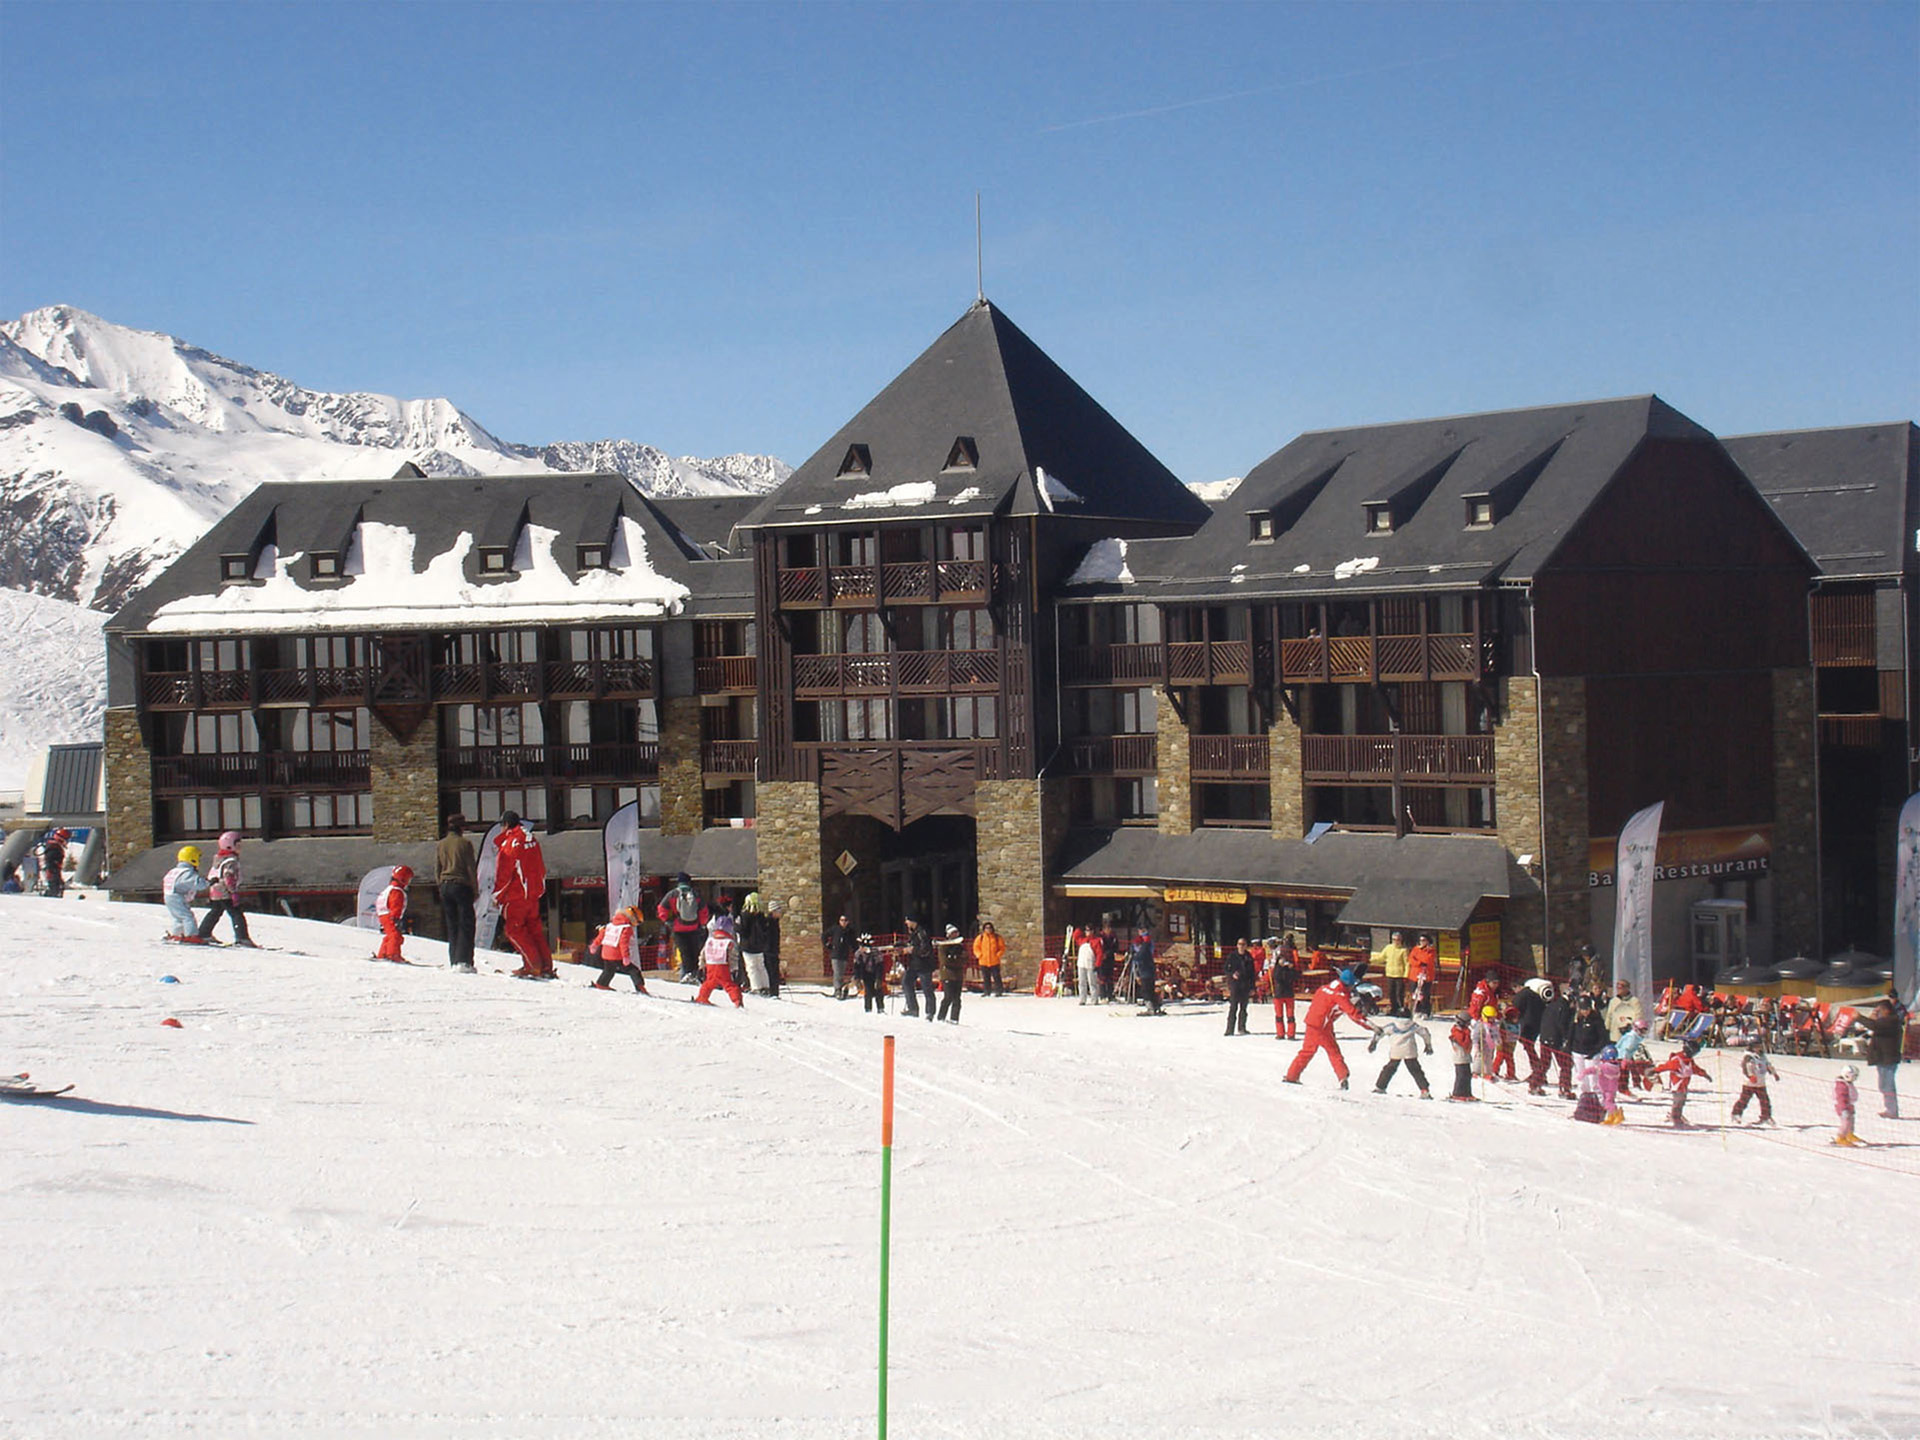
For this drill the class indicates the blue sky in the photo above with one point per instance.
(721, 228)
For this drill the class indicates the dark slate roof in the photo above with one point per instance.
(1847, 494)
(984, 380)
(1411, 881)
(70, 784)
(305, 516)
(1542, 467)
(708, 521)
(338, 862)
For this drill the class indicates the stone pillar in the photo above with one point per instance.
(129, 769)
(1796, 855)
(1289, 793)
(787, 834)
(1017, 826)
(682, 803)
(1175, 761)
(406, 784)
(1564, 853)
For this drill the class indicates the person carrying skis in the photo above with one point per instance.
(519, 884)
(1423, 966)
(1330, 1002)
(1239, 973)
(183, 882)
(685, 915)
(1683, 1070)
(391, 911)
(1404, 1036)
(1755, 1070)
(223, 888)
(1284, 979)
(717, 955)
(616, 945)
(1846, 1099)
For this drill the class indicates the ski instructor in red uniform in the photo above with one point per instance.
(1330, 1002)
(519, 880)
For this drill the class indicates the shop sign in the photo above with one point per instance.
(1483, 941)
(1729, 853)
(582, 882)
(1205, 895)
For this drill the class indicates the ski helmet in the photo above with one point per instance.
(1849, 1073)
(403, 874)
(189, 855)
(230, 840)
(1346, 977)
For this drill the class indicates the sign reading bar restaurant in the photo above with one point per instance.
(1724, 854)
(1205, 895)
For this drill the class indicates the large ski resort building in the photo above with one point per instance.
(983, 657)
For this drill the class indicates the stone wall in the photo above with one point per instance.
(1018, 825)
(406, 784)
(1289, 796)
(682, 805)
(129, 789)
(788, 837)
(1540, 809)
(1176, 769)
(1796, 856)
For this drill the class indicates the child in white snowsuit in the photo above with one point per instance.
(183, 882)
(1404, 1036)
(1846, 1097)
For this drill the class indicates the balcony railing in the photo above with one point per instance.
(896, 580)
(1228, 757)
(1347, 658)
(517, 763)
(1853, 732)
(729, 757)
(1111, 755)
(917, 670)
(197, 689)
(1842, 629)
(715, 673)
(278, 770)
(595, 679)
(1106, 664)
(1209, 662)
(1381, 759)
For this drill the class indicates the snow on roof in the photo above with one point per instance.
(971, 493)
(1051, 490)
(911, 492)
(1360, 565)
(1105, 563)
(388, 593)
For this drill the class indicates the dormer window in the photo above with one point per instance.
(963, 456)
(1479, 512)
(592, 557)
(236, 567)
(1379, 518)
(1260, 527)
(495, 560)
(858, 461)
(325, 565)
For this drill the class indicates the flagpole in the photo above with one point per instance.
(886, 1216)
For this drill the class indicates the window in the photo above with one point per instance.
(964, 542)
(235, 567)
(1260, 528)
(858, 461)
(494, 560)
(592, 557)
(970, 630)
(1379, 518)
(1479, 512)
(963, 456)
(325, 565)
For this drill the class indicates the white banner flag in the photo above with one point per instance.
(1633, 871)
(486, 914)
(1906, 901)
(373, 885)
(622, 837)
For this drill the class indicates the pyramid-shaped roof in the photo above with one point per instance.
(1036, 443)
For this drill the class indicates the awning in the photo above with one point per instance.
(1408, 904)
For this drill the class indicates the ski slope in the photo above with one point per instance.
(355, 1199)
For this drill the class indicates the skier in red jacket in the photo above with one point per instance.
(393, 909)
(1330, 1002)
(519, 882)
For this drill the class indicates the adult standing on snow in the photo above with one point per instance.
(685, 915)
(1086, 966)
(774, 911)
(840, 946)
(917, 971)
(1330, 1002)
(183, 882)
(53, 861)
(1556, 1024)
(1239, 972)
(952, 949)
(1530, 1003)
(1392, 959)
(457, 873)
(1885, 1031)
(1146, 982)
(519, 884)
(1404, 1036)
(223, 888)
(1621, 1009)
(988, 951)
(1284, 978)
(1423, 967)
(751, 932)
(392, 911)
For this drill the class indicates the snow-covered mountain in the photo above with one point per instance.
(118, 448)
(53, 681)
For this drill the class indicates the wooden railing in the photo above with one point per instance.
(1209, 662)
(1855, 732)
(1380, 759)
(862, 585)
(715, 673)
(1111, 755)
(1105, 664)
(277, 770)
(1344, 658)
(514, 763)
(729, 757)
(197, 689)
(802, 587)
(1228, 756)
(918, 670)
(1842, 629)
(594, 679)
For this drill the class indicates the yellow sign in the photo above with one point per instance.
(1450, 946)
(1483, 940)
(1201, 895)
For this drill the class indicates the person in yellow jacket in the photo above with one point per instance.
(1391, 961)
(988, 950)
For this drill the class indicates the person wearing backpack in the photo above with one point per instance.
(685, 916)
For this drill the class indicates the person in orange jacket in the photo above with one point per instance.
(392, 910)
(1330, 1002)
(988, 951)
(1423, 966)
(519, 883)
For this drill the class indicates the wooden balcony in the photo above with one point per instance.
(898, 781)
(1111, 664)
(1228, 757)
(197, 689)
(896, 582)
(253, 771)
(1339, 659)
(1410, 759)
(599, 679)
(620, 763)
(1851, 732)
(1111, 755)
(729, 757)
(1209, 662)
(719, 674)
(1842, 628)
(915, 671)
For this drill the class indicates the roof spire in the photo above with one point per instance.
(979, 256)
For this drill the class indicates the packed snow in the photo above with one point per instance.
(355, 1199)
(1359, 565)
(907, 493)
(1105, 563)
(53, 686)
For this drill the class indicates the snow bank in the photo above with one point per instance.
(354, 1199)
(53, 684)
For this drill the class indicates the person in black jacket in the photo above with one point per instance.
(1530, 1001)
(1886, 1031)
(1585, 1039)
(1556, 1024)
(1283, 973)
(917, 971)
(840, 943)
(1145, 980)
(1239, 972)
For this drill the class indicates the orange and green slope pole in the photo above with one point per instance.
(886, 1217)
